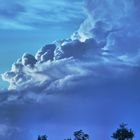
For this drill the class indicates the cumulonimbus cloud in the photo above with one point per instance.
(101, 56)
(100, 39)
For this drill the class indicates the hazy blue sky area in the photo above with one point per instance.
(68, 65)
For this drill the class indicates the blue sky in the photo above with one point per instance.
(26, 26)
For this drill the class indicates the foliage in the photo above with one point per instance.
(43, 137)
(80, 135)
(123, 133)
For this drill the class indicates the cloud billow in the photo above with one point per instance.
(59, 55)
(101, 39)
(113, 22)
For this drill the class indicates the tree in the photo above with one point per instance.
(131, 134)
(43, 137)
(39, 137)
(123, 133)
(80, 135)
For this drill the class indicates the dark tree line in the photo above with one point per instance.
(122, 133)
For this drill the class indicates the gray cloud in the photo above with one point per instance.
(116, 26)
(92, 103)
(67, 63)
(46, 53)
(5, 130)
(60, 63)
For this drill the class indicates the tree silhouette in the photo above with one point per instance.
(80, 135)
(39, 137)
(43, 137)
(123, 133)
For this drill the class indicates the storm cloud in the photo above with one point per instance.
(87, 80)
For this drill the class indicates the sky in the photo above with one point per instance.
(69, 65)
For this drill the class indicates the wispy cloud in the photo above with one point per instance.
(27, 14)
